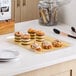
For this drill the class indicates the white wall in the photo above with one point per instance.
(68, 13)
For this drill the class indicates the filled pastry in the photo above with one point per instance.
(40, 35)
(46, 45)
(57, 43)
(18, 36)
(36, 46)
(32, 33)
(26, 39)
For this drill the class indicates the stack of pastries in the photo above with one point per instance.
(32, 33)
(18, 36)
(26, 39)
(40, 36)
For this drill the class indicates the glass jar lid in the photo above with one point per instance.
(56, 3)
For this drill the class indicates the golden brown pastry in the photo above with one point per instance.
(18, 36)
(57, 43)
(40, 36)
(32, 33)
(46, 45)
(26, 39)
(36, 46)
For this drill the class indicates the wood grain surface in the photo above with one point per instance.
(6, 27)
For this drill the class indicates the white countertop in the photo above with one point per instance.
(27, 60)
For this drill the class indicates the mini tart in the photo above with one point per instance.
(32, 33)
(40, 35)
(18, 36)
(57, 43)
(46, 45)
(26, 39)
(36, 46)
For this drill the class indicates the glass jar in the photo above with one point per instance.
(48, 11)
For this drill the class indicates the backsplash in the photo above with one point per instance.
(68, 13)
(5, 9)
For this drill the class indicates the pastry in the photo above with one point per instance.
(57, 43)
(40, 36)
(36, 46)
(26, 39)
(32, 33)
(18, 36)
(46, 45)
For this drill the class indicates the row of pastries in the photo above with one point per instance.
(39, 36)
(46, 45)
(32, 34)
